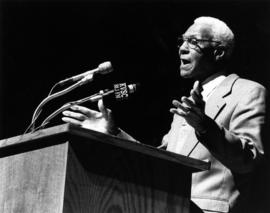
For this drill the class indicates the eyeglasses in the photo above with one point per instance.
(193, 43)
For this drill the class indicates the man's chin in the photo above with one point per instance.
(185, 73)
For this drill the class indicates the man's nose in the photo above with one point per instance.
(184, 48)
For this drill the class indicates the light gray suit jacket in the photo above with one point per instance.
(232, 143)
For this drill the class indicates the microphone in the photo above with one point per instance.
(120, 91)
(103, 68)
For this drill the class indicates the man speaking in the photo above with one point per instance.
(222, 120)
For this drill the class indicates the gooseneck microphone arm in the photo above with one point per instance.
(103, 68)
(81, 79)
(92, 98)
(55, 95)
(121, 92)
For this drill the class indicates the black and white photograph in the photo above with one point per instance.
(134, 106)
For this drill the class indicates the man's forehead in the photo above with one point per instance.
(200, 30)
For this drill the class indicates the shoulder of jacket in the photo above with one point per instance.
(247, 85)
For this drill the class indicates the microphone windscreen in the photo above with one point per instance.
(105, 67)
(122, 90)
(132, 88)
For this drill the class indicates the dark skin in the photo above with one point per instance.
(202, 64)
(192, 109)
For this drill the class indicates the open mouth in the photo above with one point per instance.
(184, 61)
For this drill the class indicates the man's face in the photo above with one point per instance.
(196, 56)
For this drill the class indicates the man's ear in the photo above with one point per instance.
(219, 53)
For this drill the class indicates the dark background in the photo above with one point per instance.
(46, 41)
(43, 42)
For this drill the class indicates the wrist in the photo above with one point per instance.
(201, 131)
(205, 125)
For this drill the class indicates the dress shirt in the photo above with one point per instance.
(211, 83)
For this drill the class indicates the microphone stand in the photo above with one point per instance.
(55, 95)
(92, 98)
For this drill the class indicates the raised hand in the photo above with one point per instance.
(192, 108)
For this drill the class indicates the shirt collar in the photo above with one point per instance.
(211, 83)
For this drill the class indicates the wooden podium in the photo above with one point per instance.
(73, 170)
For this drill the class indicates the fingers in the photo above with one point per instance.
(187, 102)
(196, 95)
(197, 87)
(83, 110)
(72, 121)
(187, 107)
(178, 112)
(181, 109)
(179, 105)
(90, 119)
(197, 98)
(192, 108)
(103, 109)
(79, 114)
(74, 115)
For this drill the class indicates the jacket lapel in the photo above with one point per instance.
(213, 107)
(216, 101)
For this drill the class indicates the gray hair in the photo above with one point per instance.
(221, 32)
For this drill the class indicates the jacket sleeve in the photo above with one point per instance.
(240, 146)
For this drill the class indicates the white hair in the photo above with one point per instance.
(221, 32)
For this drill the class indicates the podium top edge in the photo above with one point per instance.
(67, 130)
